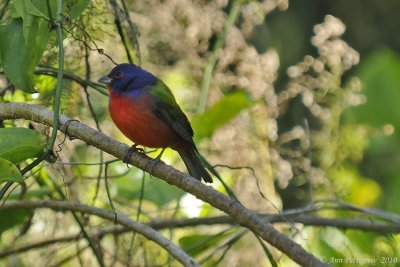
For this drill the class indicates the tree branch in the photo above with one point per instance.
(122, 219)
(372, 211)
(39, 244)
(355, 224)
(231, 207)
(306, 220)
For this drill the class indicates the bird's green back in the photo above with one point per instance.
(168, 110)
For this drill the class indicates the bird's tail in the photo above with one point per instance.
(192, 160)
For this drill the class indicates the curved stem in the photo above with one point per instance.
(60, 76)
(212, 60)
(50, 71)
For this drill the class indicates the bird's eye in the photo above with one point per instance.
(118, 75)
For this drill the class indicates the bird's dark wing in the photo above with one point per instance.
(167, 109)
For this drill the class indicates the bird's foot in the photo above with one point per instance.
(130, 152)
(154, 161)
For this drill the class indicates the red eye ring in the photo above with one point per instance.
(118, 75)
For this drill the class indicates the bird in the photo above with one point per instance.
(143, 107)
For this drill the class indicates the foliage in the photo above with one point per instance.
(279, 141)
(19, 144)
(9, 172)
(220, 113)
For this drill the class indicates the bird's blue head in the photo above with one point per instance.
(128, 77)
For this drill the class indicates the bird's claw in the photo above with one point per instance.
(153, 162)
(130, 152)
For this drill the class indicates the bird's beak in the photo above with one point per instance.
(105, 80)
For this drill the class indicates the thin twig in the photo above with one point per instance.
(122, 219)
(109, 193)
(133, 33)
(306, 220)
(118, 23)
(139, 211)
(92, 244)
(65, 259)
(93, 113)
(39, 244)
(372, 211)
(49, 71)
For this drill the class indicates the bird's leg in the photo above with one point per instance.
(156, 160)
(130, 152)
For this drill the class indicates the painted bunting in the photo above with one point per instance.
(146, 112)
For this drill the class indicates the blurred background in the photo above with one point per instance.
(300, 107)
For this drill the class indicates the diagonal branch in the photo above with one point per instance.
(121, 219)
(172, 176)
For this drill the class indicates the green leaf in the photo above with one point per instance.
(19, 144)
(129, 188)
(72, 8)
(204, 125)
(77, 7)
(28, 12)
(14, 218)
(25, 38)
(19, 58)
(380, 77)
(25, 7)
(379, 73)
(196, 244)
(9, 172)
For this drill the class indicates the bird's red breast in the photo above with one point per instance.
(137, 121)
